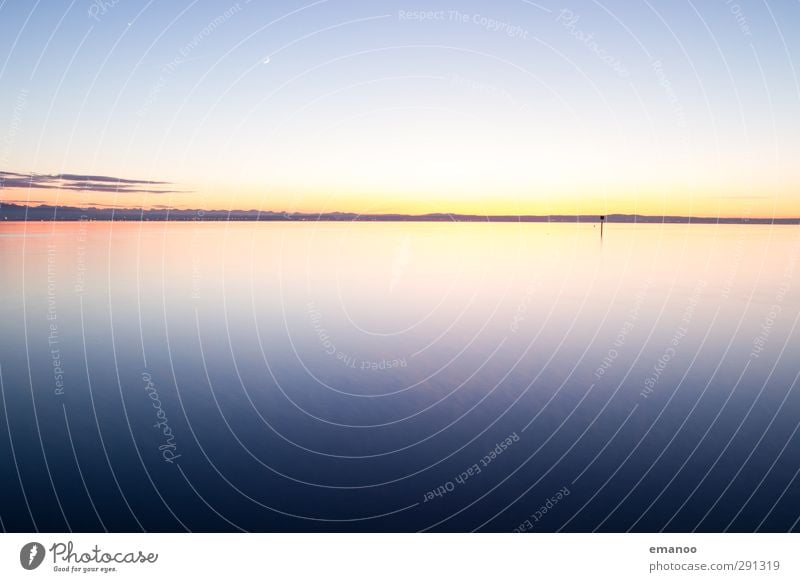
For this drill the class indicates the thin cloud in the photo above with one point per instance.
(84, 183)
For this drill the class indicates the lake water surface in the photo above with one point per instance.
(213, 376)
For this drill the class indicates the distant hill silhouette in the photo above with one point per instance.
(18, 212)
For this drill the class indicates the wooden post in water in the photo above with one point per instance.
(602, 221)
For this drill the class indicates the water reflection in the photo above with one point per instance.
(398, 377)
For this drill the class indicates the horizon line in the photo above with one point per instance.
(73, 213)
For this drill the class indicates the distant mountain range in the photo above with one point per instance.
(68, 213)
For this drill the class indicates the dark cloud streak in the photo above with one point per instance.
(84, 183)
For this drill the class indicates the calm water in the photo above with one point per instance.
(399, 377)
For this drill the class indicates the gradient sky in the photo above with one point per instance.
(509, 106)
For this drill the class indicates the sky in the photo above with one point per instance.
(485, 107)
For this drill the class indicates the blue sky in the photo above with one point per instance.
(512, 106)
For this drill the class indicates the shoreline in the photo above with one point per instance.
(42, 213)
